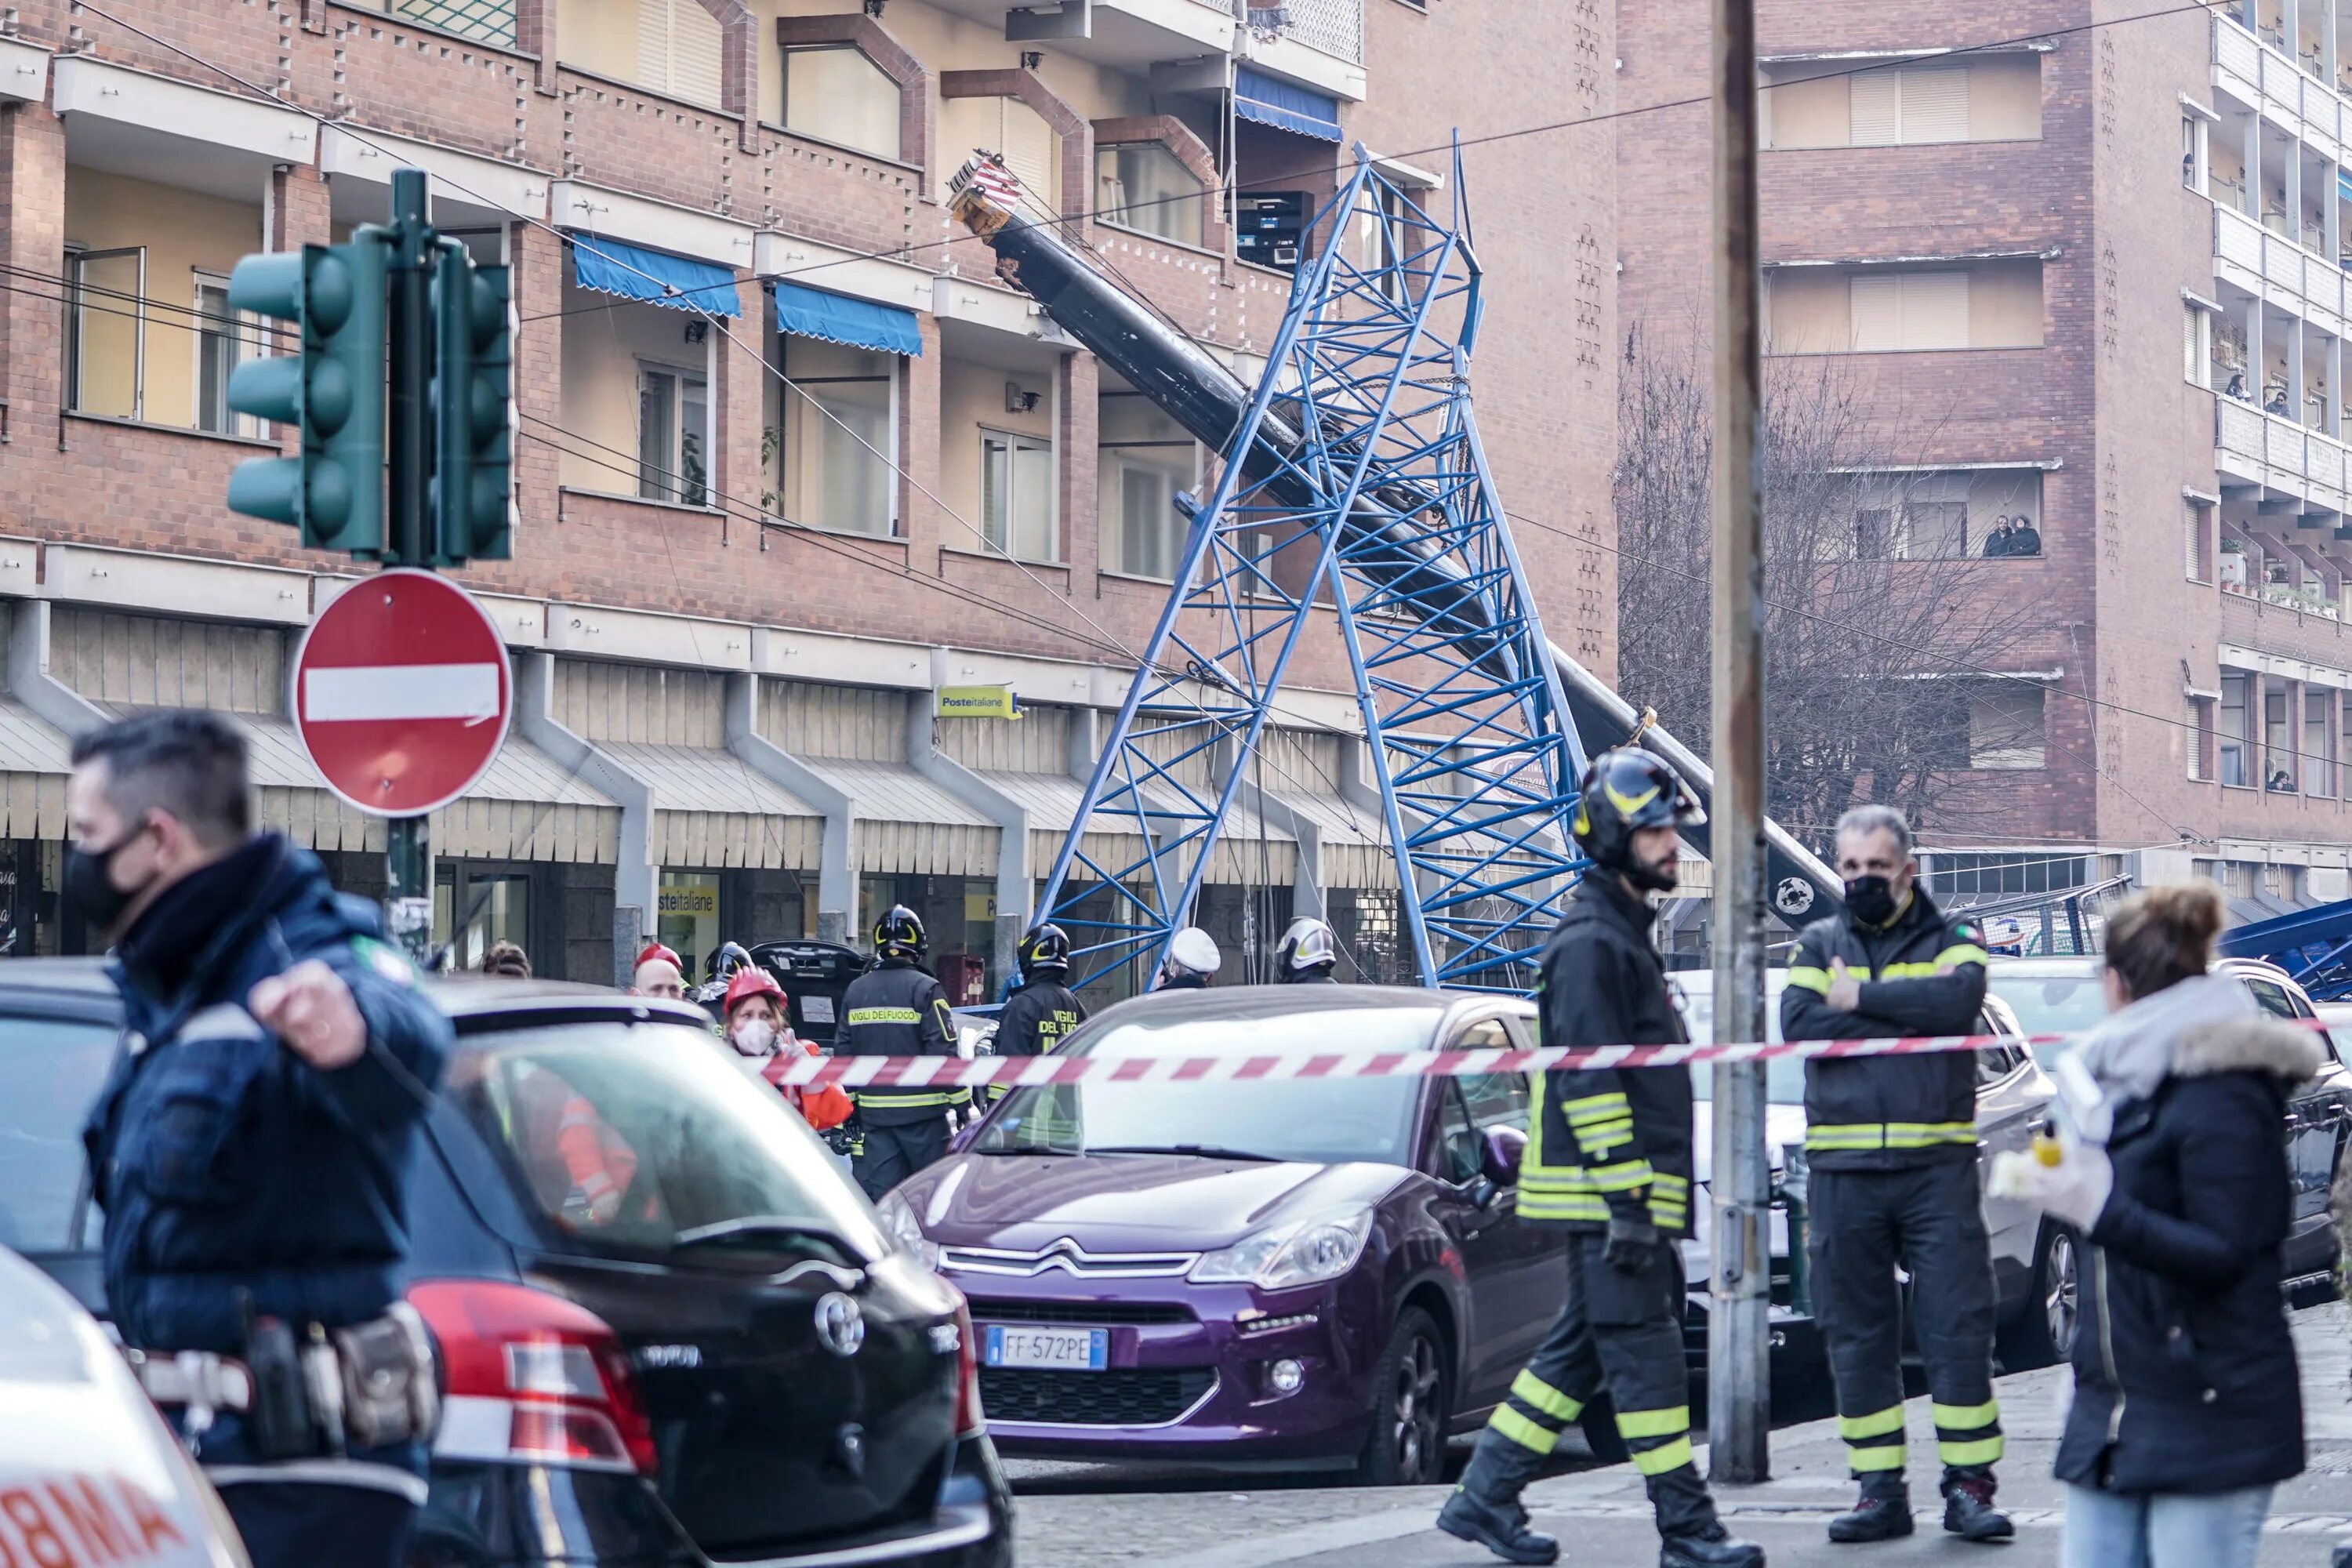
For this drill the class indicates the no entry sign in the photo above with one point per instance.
(401, 693)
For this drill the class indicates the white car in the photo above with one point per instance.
(87, 1470)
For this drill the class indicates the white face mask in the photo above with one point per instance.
(753, 1037)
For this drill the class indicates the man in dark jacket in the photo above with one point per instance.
(897, 1009)
(1608, 1161)
(251, 1143)
(1891, 1141)
(1040, 1014)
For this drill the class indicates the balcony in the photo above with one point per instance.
(2302, 631)
(2273, 267)
(2259, 74)
(2278, 454)
(1130, 34)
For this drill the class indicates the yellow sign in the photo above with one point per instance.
(978, 702)
(693, 898)
(978, 906)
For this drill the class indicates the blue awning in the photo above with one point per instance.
(1285, 106)
(654, 276)
(858, 323)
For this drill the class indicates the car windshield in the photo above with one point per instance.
(637, 1141)
(1324, 1120)
(50, 1072)
(1784, 1077)
(2051, 1004)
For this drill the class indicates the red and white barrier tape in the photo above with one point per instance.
(1241, 1066)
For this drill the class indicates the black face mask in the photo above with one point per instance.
(1871, 899)
(87, 888)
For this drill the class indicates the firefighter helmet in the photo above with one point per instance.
(1307, 950)
(1627, 789)
(1045, 950)
(899, 934)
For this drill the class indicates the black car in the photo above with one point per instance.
(724, 1360)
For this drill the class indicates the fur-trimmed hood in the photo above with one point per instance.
(2256, 1044)
(2197, 1029)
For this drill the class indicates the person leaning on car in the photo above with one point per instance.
(1892, 1142)
(250, 1145)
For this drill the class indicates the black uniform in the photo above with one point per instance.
(897, 1009)
(1603, 1143)
(1891, 1141)
(1034, 1021)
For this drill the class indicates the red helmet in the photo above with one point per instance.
(666, 954)
(753, 981)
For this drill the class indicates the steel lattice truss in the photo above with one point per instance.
(1356, 484)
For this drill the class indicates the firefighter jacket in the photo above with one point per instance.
(1921, 973)
(896, 1009)
(1618, 1139)
(1034, 1022)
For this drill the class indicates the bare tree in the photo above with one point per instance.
(1882, 614)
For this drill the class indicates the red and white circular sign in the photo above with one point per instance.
(402, 692)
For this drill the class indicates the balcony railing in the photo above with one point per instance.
(2276, 451)
(1334, 27)
(490, 21)
(2257, 253)
(2313, 108)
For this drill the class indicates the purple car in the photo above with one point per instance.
(1301, 1275)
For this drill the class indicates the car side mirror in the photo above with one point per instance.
(1499, 1155)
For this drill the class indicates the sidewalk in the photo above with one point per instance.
(1601, 1517)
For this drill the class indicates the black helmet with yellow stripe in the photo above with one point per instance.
(1624, 789)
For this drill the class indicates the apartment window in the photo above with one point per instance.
(1819, 104)
(1908, 311)
(105, 332)
(2196, 345)
(679, 46)
(223, 340)
(672, 436)
(834, 93)
(2237, 734)
(2318, 744)
(2278, 743)
(2005, 726)
(835, 447)
(1017, 494)
(1144, 187)
(1015, 132)
(1941, 515)
(2201, 739)
(1146, 459)
(1987, 304)
(2192, 153)
(2196, 518)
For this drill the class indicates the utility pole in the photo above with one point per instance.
(1739, 1414)
(408, 894)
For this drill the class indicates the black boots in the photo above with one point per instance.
(1500, 1527)
(1882, 1512)
(1708, 1546)
(1969, 1512)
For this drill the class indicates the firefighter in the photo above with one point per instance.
(897, 1009)
(1039, 1015)
(1192, 958)
(1307, 953)
(1892, 1140)
(1609, 1159)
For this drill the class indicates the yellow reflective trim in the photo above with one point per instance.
(902, 1100)
(1591, 1209)
(1621, 1177)
(1670, 1183)
(1966, 1417)
(1906, 972)
(1535, 1391)
(1963, 952)
(1627, 805)
(1595, 1105)
(1869, 1136)
(1862, 1460)
(1598, 1145)
(1984, 1451)
(1632, 1423)
(884, 1016)
(1920, 1134)
(1877, 1424)
(1526, 1434)
(1805, 978)
(1658, 1461)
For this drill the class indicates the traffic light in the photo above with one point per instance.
(333, 393)
(473, 410)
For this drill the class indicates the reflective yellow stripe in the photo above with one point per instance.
(1878, 1423)
(1593, 1107)
(1906, 972)
(1668, 1182)
(1805, 979)
(1890, 1134)
(902, 1100)
(1966, 1417)
(1963, 952)
(1522, 1431)
(1869, 1135)
(884, 1016)
(1984, 1451)
(1534, 1206)
(1632, 1423)
(1658, 1461)
(1535, 1391)
(1860, 1460)
(1621, 1177)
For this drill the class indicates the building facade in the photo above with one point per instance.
(2092, 267)
(790, 457)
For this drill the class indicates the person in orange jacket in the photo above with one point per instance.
(758, 1030)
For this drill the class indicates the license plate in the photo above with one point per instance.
(1061, 1349)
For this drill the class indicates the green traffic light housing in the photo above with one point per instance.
(473, 409)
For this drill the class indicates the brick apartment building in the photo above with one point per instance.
(727, 614)
(2100, 271)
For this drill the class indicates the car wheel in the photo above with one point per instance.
(1406, 1447)
(2043, 1335)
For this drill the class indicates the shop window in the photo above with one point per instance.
(1144, 187)
(833, 450)
(1016, 500)
(672, 436)
(834, 93)
(472, 909)
(686, 918)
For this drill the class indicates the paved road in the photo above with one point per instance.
(1189, 1521)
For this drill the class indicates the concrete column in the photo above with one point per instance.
(919, 440)
(2291, 183)
(1077, 389)
(29, 680)
(836, 882)
(635, 879)
(2253, 156)
(2332, 415)
(2257, 365)
(738, 414)
(2296, 330)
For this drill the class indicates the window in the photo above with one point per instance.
(105, 332)
(1015, 132)
(679, 46)
(1144, 187)
(1819, 104)
(487, 247)
(2278, 743)
(1987, 304)
(2318, 746)
(2196, 345)
(2201, 739)
(834, 93)
(1909, 310)
(2237, 733)
(2005, 726)
(2199, 525)
(834, 448)
(1933, 514)
(223, 340)
(2192, 153)
(50, 1073)
(1016, 495)
(1146, 458)
(672, 436)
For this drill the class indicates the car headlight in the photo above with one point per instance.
(1306, 1252)
(898, 1222)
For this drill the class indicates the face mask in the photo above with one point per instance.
(87, 888)
(755, 1038)
(1872, 900)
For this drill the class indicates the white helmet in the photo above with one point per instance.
(1307, 950)
(1193, 957)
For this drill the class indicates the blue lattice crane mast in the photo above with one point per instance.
(1351, 473)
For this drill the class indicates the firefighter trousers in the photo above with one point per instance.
(1929, 1220)
(889, 1153)
(1620, 1331)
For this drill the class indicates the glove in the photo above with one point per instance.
(2076, 1189)
(1632, 1245)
